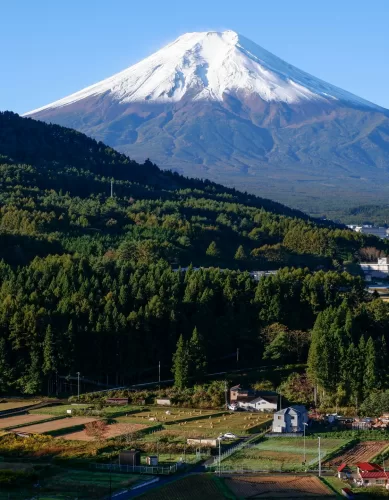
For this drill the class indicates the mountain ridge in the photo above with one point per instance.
(210, 106)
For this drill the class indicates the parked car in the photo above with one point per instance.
(230, 435)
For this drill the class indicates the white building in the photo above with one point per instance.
(291, 419)
(258, 404)
(380, 232)
(378, 269)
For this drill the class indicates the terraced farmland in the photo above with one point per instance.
(237, 423)
(361, 452)
(10, 405)
(9, 422)
(166, 415)
(278, 487)
(113, 430)
(55, 425)
(280, 454)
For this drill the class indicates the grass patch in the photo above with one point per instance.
(280, 454)
(237, 423)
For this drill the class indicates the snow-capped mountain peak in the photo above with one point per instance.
(209, 66)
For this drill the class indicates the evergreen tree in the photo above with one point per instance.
(240, 253)
(370, 378)
(212, 250)
(198, 358)
(181, 362)
(5, 369)
(48, 352)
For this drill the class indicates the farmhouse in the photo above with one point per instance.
(250, 399)
(371, 475)
(291, 419)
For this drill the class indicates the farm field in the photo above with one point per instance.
(190, 488)
(159, 415)
(361, 452)
(57, 410)
(237, 423)
(55, 425)
(68, 484)
(278, 487)
(21, 419)
(10, 405)
(113, 430)
(280, 454)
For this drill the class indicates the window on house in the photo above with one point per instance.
(279, 418)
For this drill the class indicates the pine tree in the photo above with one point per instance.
(370, 378)
(180, 368)
(5, 369)
(198, 358)
(212, 250)
(48, 352)
(240, 254)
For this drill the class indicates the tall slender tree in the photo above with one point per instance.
(197, 355)
(181, 364)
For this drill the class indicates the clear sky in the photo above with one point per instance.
(52, 48)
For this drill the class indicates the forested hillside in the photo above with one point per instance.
(88, 282)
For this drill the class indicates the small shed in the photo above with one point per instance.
(117, 401)
(164, 402)
(129, 457)
(152, 460)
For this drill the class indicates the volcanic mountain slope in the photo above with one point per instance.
(217, 105)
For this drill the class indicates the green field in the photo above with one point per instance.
(158, 415)
(237, 423)
(70, 484)
(281, 454)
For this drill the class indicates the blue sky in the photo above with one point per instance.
(51, 48)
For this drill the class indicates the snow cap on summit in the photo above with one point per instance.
(208, 66)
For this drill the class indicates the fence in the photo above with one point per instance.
(139, 469)
(249, 442)
(230, 469)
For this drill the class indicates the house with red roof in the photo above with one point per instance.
(344, 471)
(370, 474)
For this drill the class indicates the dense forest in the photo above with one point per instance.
(91, 282)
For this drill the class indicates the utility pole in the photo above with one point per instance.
(220, 463)
(237, 357)
(319, 458)
(78, 385)
(225, 393)
(159, 375)
(111, 188)
(305, 455)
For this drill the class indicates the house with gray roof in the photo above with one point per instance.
(291, 419)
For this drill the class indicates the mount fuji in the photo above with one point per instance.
(217, 105)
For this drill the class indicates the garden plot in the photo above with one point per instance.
(278, 487)
(113, 431)
(9, 422)
(237, 423)
(55, 425)
(280, 454)
(361, 452)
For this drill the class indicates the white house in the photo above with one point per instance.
(378, 269)
(258, 404)
(291, 419)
